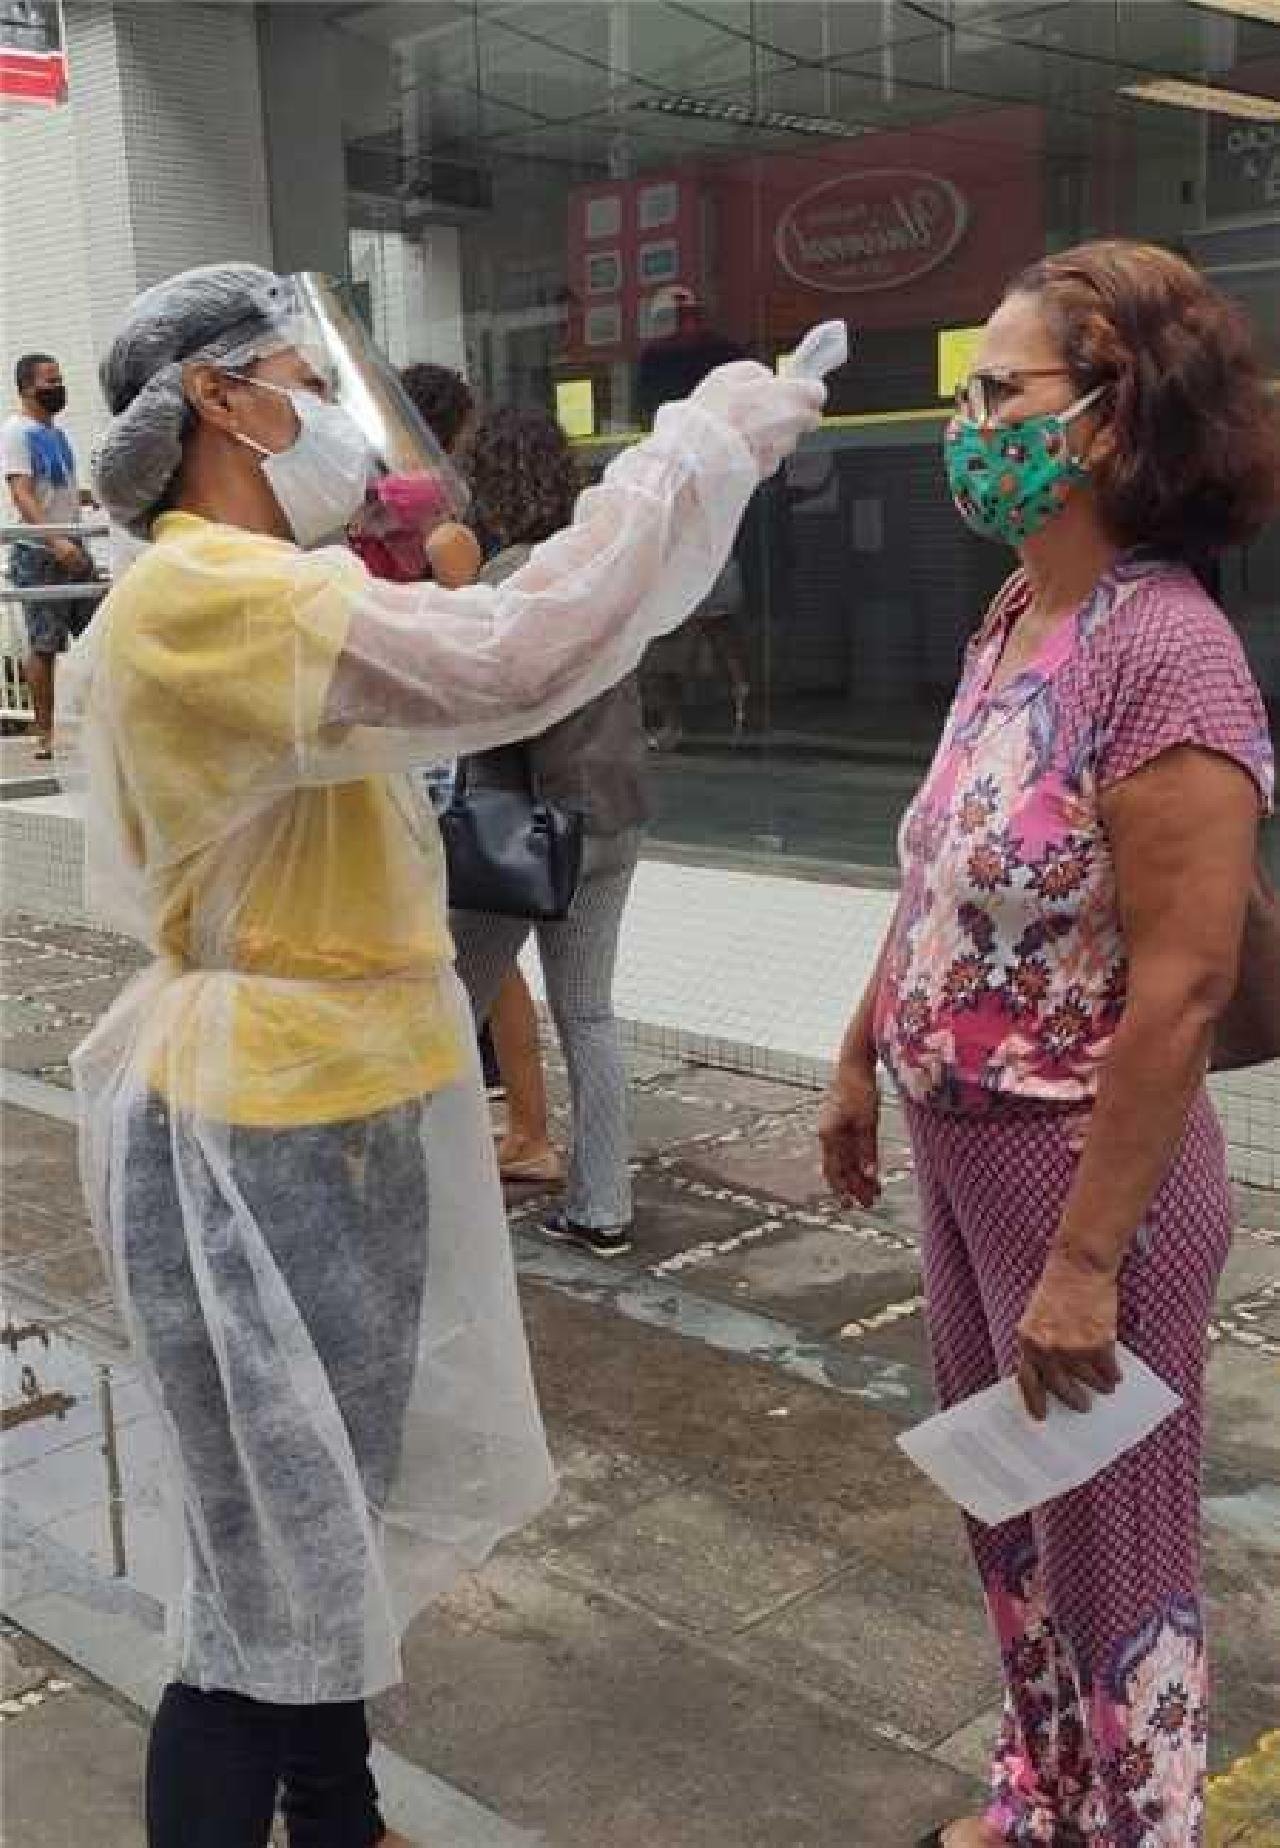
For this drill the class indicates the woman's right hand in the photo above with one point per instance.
(848, 1130)
(769, 413)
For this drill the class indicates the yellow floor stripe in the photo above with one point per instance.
(842, 420)
(1244, 1803)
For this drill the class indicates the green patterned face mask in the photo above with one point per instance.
(1008, 481)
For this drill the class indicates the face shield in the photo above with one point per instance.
(413, 486)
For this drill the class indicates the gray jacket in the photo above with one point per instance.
(595, 760)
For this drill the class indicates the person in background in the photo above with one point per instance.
(525, 482)
(1075, 874)
(713, 633)
(670, 366)
(445, 403)
(40, 470)
(447, 406)
(404, 534)
(676, 361)
(509, 1036)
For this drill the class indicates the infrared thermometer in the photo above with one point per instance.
(824, 349)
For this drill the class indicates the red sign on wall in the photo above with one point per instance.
(905, 229)
(33, 69)
(631, 243)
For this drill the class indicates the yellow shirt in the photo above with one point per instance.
(308, 923)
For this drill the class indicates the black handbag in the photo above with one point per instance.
(511, 850)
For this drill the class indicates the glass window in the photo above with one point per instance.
(586, 205)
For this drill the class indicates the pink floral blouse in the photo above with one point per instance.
(1006, 974)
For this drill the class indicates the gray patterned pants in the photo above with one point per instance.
(578, 959)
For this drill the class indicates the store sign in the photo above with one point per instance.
(870, 230)
(33, 67)
(905, 228)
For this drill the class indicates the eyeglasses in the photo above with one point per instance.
(983, 395)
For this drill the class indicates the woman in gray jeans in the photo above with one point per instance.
(524, 483)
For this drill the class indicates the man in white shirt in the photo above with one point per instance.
(40, 471)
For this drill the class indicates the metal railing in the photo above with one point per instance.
(19, 532)
(16, 599)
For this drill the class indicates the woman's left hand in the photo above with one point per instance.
(1067, 1336)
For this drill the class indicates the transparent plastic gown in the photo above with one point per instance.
(284, 1136)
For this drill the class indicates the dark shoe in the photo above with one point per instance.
(932, 1840)
(603, 1241)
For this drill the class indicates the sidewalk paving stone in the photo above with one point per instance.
(696, 1560)
(886, 1642)
(73, 1760)
(576, 1714)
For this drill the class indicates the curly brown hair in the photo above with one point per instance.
(524, 480)
(1194, 460)
(443, 400)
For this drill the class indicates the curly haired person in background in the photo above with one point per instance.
(525, 479)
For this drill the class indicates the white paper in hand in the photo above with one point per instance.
(989, 1454)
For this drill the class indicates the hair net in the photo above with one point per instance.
(221, 312)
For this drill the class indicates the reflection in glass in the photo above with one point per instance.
(588, 203)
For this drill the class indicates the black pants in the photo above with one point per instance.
(217, 1762)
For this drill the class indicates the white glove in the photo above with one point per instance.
(769, 413)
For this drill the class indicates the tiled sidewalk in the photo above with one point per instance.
(746, 1618)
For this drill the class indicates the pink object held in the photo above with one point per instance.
(418, 501)
(398, 516)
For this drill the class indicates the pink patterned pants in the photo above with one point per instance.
(1095, 1599)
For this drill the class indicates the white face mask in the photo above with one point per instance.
(321, 479)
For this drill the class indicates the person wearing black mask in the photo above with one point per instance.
(40, 471)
